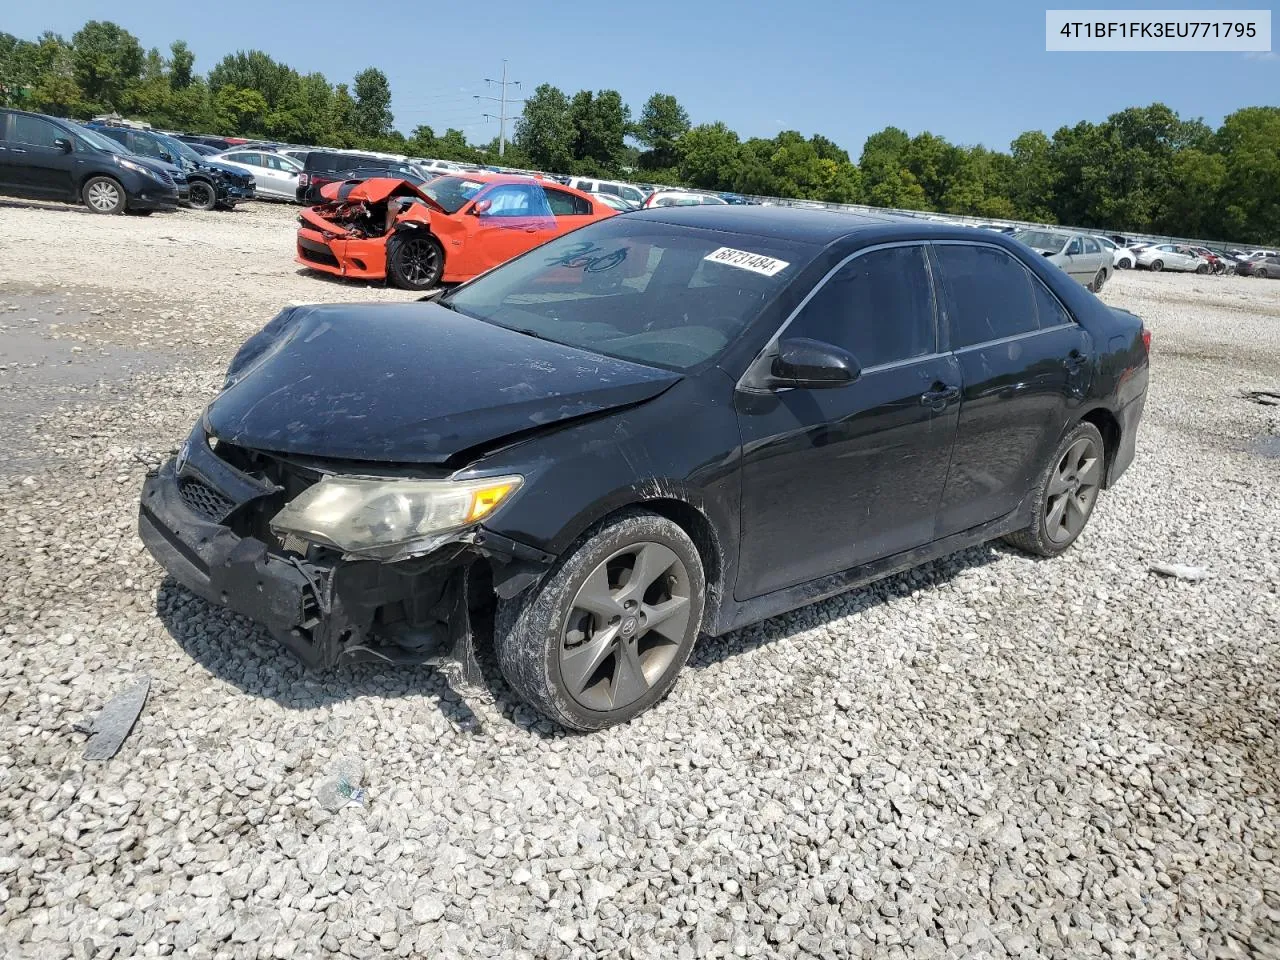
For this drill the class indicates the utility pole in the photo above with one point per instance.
(503, 101)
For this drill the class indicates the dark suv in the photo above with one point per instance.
(51, 159)
(210, 184)
(330, 166)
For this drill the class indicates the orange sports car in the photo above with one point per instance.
(447, 230)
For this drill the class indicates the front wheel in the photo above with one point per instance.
(103, 195)
(1125, 263)
(414, 261)
(1202, 268)
(202, 195)
(606, 633)
(1065, 494)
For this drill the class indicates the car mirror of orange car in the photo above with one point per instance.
(481, 207)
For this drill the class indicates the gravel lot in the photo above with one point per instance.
(990, 756)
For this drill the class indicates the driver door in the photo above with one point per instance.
(40, 167)
(837, 477)
(510, 218)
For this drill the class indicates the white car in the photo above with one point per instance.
(624, 190)
(275, 173)
(680, 198)
(1171, 256)
(1122, 258)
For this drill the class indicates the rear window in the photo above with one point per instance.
(660, 294)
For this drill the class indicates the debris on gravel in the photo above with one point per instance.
(991, 755)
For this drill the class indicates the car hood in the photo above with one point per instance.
(224, 167)
(409, 383)
(375, 190)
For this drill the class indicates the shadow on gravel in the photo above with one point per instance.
(243, 654)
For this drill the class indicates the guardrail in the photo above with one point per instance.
(1001, 221)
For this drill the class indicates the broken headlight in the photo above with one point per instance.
(387, 518)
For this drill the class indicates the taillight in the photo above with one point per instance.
(1146, 339)
(304, 179)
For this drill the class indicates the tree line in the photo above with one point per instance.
(1143, 169)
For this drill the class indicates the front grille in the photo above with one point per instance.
(310, 250)
(164, 175)
(204, 500)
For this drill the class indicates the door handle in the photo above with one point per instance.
(939, 395)
(530, 229)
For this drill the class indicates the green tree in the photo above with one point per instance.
(709, 156)
(239, 110)
(600, 123)
(545, 132)
(106, 61)
(181, 64)
(373, 103)
(661, 125)
(1032, 177)
(1249, 142)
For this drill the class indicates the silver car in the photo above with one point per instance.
(275, 173)
(1172, 256)
(1079, 255)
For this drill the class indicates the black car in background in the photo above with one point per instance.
(681, 420)
(323, 167)
(210, 185)
(47, 158)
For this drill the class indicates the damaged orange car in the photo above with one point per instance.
(447, 230)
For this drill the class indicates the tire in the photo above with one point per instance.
(103, 195)
(1261, 272)
(588, 669)
(1157, 266)
(203, 195)
(415, 260)
(1058, 484)
(1125, 263)
(1202, 268)
(1098, 281)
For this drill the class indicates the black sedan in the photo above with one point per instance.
(673, 422)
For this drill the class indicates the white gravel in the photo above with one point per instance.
(990, 756)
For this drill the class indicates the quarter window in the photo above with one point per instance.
(1091, 245)
(878, 306)
(1049, 311)
(989, 292)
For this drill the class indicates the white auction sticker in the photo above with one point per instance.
(746, 260)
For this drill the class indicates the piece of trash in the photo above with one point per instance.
(342, 788)
(108, 730)
(1180, 570)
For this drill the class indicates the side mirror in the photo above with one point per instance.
(481, 207)
(63, 144)
(812, 364)
(166, 156)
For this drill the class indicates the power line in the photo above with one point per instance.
(502, 116)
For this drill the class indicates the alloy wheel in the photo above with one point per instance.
(1073, 489)
(419, 261)
(103, 196)
(625, 626)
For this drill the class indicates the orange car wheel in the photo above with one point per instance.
(415, 261)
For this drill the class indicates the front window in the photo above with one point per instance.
(452, 193)
(1042, 241)
(659, 294)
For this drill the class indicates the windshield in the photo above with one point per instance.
(1042, 240)
(179, 149)
(670, 296)
(452, 193)
(95, 139)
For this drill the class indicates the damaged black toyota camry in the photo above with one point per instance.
(670, 422)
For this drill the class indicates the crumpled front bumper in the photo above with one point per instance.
(322, 606)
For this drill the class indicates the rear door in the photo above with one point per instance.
(838, 477)
(40, 167)
(1095, 258)
(8, 172)
(1074, 262)
(1026, 366)
(569, 210)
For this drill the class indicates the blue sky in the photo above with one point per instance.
(971, 72)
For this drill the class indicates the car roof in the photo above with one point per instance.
(793, 223)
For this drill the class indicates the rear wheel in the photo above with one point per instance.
(1157, 265)
(414, 261)
(1125, 263)
(606, 633)
(103, 195)
(1065, 495)
(202, 196)
(1098, 281)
